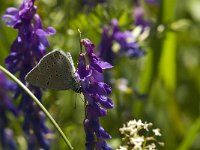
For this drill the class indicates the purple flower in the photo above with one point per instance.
(6, 105)
(27, 49)
(105, 46)
(127, 44)
(139, 17)
(153, 2)
(138, 13)
(95, 92)
(31, 43)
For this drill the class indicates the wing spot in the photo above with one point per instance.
(47, 68)
(56, 73)
(50, 77)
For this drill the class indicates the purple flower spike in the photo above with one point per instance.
(26, 51)
(126, 41)
(95, 62)
(139, 15)
(95, 92)
(83, 71)
(89, 47)
(105, 47)
(6, 105)
(128, 45)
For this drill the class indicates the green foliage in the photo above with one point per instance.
(168, 75)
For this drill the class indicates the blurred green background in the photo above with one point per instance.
(168, 75)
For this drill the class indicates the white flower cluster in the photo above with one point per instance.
(138, 136)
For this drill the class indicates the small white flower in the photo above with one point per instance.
(147, 126)
(122, 148)
(134, 138)
(137, 139)
(152, 146)
(133, 132)
(157, 132)
(140, 124)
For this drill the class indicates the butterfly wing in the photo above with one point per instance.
(54, 71)
(69, 57)
(35, 78)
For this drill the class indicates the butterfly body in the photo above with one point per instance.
(55, 71)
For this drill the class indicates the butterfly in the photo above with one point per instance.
(55, 71)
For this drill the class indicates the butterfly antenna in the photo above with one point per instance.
(80, 37)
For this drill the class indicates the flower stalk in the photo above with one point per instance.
(95, 91)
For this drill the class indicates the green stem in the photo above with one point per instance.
(190, 136)
(39, 104)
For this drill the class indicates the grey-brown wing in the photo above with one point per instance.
(56, 70)
(35, 78)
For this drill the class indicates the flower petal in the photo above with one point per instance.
(50, 31)
(42, 37)
(104, 65)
